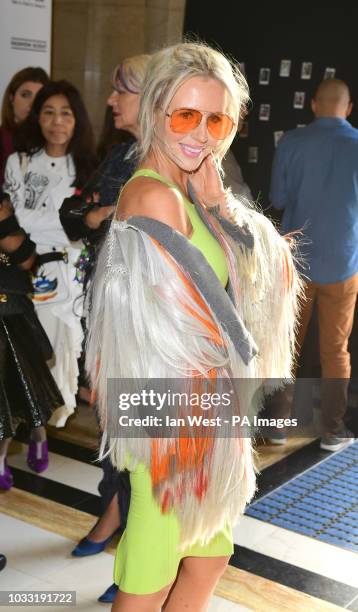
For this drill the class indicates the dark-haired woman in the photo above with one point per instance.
(16, 105)
(28, 392)
(55, 156)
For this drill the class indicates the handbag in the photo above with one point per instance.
(49, 283)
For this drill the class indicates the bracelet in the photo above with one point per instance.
(23, 252)
(8, 226)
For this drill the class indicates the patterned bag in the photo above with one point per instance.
(50, 283)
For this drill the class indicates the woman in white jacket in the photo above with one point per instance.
(55, 156)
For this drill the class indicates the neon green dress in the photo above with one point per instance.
(147, 557)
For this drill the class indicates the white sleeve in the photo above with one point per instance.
(43, 225)
(13, 180)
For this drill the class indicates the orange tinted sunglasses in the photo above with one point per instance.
(184, 120)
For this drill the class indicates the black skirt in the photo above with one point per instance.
(28, 392)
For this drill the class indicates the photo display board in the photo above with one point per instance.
(284, 56)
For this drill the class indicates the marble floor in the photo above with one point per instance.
(272, 569)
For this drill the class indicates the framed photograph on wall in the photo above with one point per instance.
(306, 70)
(329, 73)
(285, 68)
(264, 112)
(264, 76)
(299, 99)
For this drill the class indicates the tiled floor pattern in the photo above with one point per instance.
(321, 502)
(40, 560)
(37, 533)
(276, 542)
(299, 550)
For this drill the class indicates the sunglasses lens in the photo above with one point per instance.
(184, 119)
(219, 125)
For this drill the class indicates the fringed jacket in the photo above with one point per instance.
(158, 311)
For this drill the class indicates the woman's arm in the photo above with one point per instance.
(13, 240)
(95, 217)
(149, 198)
(81, 220)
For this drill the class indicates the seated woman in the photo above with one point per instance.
(28, 392)
(194, 287)
(55, 155)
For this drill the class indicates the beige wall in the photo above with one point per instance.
(91, 36)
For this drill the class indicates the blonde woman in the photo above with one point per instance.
(190, 285)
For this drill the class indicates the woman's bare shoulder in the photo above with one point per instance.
(149, 198)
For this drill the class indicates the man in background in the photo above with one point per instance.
(315, 183)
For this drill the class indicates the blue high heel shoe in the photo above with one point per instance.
(85, 547)
(109, 595)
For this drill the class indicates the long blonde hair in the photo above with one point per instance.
(169, 68)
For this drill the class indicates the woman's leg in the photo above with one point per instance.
(196, 581)
(108, 523)
(126, 602)
(6, 477)
(37, 455)
(4, 445)
(38, 434)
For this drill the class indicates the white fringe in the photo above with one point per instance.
(139, 329)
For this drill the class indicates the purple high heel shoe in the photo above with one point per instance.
(6, 479)
(38, 462)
